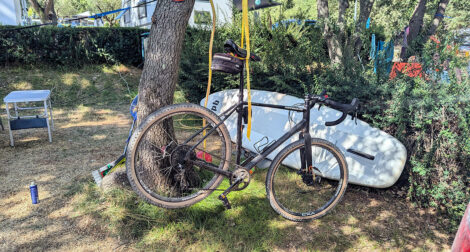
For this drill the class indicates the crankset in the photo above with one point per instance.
(241, 175)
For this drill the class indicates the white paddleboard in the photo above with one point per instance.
(375, 158)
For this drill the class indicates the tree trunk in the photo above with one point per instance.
(365, 8)
(343, 5)
(162, 58)
(158, 81)
(416, 21)
(335, 51)
(47, 13)
(437, 18)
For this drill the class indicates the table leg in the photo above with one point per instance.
(47, 122)
(16, 110)
(12, 143)
(50, 111)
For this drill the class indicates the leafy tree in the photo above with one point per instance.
(45, 10)
(73, 7)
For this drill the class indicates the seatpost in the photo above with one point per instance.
(306, 133)
(240, 115)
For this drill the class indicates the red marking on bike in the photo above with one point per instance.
(202, 154)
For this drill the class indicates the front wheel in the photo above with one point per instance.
(301, 193)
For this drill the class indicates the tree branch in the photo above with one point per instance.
(38, 9)
(343, 5)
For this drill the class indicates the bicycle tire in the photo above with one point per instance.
(273, 182)
(158, 117)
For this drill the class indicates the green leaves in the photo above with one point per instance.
(71, 46)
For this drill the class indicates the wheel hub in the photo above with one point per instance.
(178, 155)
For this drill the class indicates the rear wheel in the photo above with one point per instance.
(302, 194)
(159, 158)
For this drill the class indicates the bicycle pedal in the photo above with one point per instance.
(224, 200)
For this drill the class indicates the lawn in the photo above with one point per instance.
(92, 122)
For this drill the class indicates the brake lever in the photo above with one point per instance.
(354, 117)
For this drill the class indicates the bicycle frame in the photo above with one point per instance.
(302, 127)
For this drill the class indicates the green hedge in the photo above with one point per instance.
(70, 46)
(290, 56)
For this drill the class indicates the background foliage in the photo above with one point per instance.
(70, 46)
(429, 116)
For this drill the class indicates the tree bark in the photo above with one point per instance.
(437, 18)
(335, 51)
(162, 58)
(416, 21)
(365, 8)
(47, 13)
(158, 83)
(343, 5)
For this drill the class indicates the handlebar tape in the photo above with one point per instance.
(345, 108)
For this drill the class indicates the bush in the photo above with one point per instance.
(429, 116)
(70, 46)
(286, 55)
(432, 119)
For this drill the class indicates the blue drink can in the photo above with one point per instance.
(33, 188)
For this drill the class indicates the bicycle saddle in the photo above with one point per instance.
(232, 47)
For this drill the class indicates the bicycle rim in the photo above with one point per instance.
(162, 151)
(299, 194)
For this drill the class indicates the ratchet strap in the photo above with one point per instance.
(209, 81)
(246, 33)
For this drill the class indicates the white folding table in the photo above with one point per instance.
(18, 122)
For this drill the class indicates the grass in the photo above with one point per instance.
(92, 122)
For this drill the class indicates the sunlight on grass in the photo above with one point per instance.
(69, 78)
(99, 137)
(85, 83)
(22, 85)
(107, 69)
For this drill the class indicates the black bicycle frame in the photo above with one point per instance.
(302, 127)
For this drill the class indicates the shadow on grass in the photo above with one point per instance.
(359, 222)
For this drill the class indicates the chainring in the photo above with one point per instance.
(244, 175)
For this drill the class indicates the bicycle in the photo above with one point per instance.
(192, 154)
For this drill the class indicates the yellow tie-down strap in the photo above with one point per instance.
(246, 33)
(209, 81)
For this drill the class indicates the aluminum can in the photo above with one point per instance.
(33, 188)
